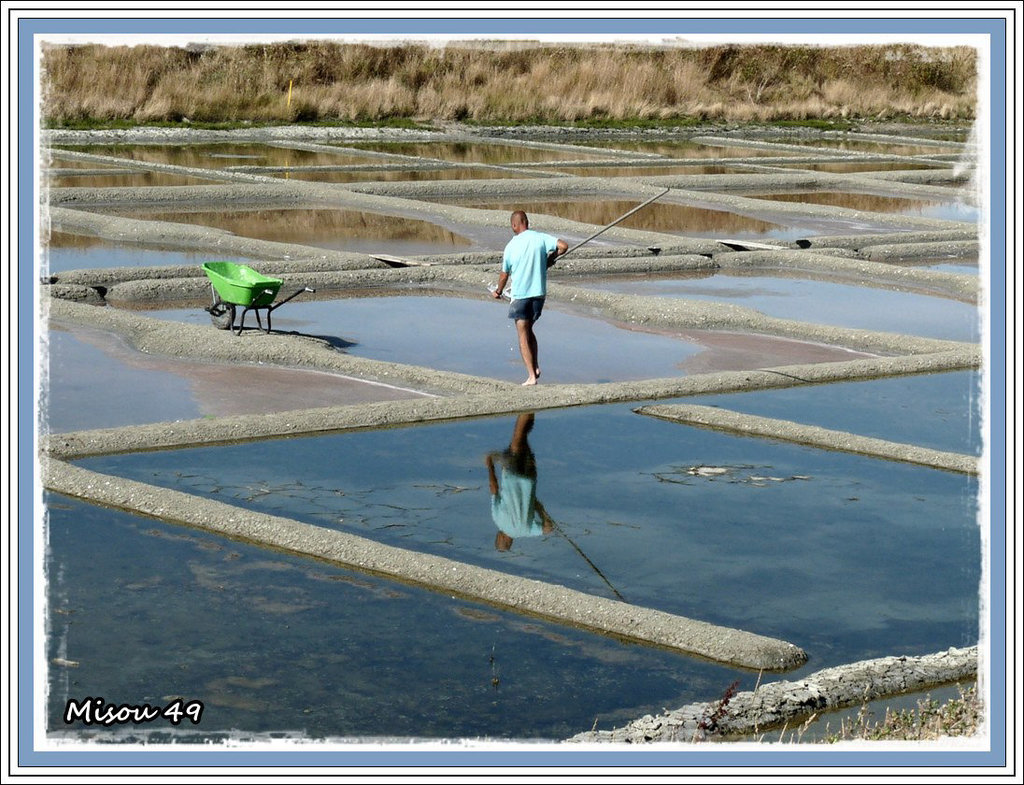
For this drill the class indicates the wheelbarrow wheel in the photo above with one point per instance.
(222, 315)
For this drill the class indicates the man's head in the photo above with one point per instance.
(520, 222)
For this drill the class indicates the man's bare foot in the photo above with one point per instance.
(530, 382)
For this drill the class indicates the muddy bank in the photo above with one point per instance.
(773, 705)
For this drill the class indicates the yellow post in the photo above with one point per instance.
(289, 93)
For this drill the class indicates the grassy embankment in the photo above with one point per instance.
(591, 86)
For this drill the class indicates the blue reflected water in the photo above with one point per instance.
(846, 556)
(938, 410)
(475, 336)
(143, 612)
(820, 302)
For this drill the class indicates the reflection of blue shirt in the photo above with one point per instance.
(514, 507)
(526, 260)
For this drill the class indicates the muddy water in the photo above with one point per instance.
(951, 210)
(475, 152)
(864, 146)
(429, 175)
(683, 148)
(867, 166)
(218, 156)
(643, 171)
(97, 381)
(820, 302)
(64, 252)
(474, 336)
(345, 230)
(667, 218)
(124, 180)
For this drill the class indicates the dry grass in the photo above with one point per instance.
(931, 720)
(494, 84)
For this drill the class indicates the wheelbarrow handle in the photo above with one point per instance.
(291, 297)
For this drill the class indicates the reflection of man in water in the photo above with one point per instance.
(514, 505)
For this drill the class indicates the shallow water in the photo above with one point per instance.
(272, 643)
(667, 218)
(951, 210)
(473, 152)
(64, 252)
(413, 175)
(820, 302)
(124, 180)
(936, 410)
(865, 146)
(475, 336)
(848, 557)
(867, 166)
(343, 230)
(96, 386)
(712, 221)
(941, 265)
(97, 381)
(646, 171)
(218, 155)
(684, 148)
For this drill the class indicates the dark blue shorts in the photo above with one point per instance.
(527, 309)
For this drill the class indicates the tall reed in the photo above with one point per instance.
(503, 84)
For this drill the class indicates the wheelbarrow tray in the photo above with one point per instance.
(239, 284)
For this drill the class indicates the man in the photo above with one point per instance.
(528, 256)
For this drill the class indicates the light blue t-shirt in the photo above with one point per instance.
(514, 508)
(526, 260)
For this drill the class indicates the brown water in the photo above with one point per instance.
(684, 148)
(347, 230)
(865, 146)
(124, 180)
(853, 201)
(220, 155)
(646, 171)
(867, 166)
(474, 152)
(657, 217)
(411, 175)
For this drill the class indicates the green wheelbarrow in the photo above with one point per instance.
(238, 285)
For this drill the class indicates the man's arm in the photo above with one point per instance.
(502, 280)
(547, 524)
(561, 247)
(492, 478)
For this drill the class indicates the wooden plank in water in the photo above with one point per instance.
(399, 261)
